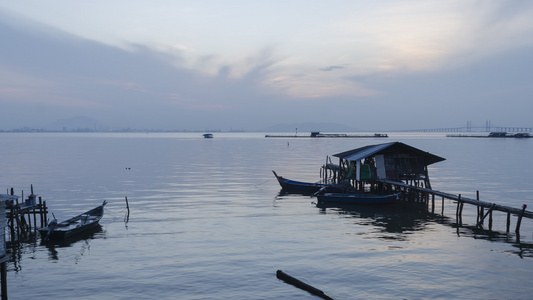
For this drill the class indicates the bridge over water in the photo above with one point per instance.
(473, 129)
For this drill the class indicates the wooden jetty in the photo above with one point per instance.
(317, 134)
(3, 251)
(16, 218)
(25, 217)
(423, 195)
(396, 167)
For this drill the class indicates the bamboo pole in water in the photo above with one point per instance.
(302, 285)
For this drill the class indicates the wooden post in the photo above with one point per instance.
(478, 208)
(3, 277)
(517, 230)
(12, 221)
(490, 220)
(127, 205)
(461, 208)
(458, 212)
(484, 216)
(45, 214)
(29, 218)
(41, 210)
(508, 222)
(442, 213)
(34, 216)
(432, 203)
(16, 217)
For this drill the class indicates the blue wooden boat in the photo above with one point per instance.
(73, 226)
(309, 187)
(360, 198)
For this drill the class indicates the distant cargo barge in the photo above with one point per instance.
(494, 135)
(317, 134)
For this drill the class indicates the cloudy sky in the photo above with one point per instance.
(205, 64)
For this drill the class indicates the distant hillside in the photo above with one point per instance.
(310, 126)
(80, 123)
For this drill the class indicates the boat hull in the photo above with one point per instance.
(308, 187)
(366, 199)
(74, 226)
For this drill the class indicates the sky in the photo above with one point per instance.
(248, 65)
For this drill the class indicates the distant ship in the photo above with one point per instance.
(317, 134)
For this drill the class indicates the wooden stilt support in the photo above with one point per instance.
(41, 210)
(484, 216)
(459, 212)
(517, 230)
(478, 208)
(508, 222)
(3, 277)
(45, 213)
(490, 220)
(433, 203)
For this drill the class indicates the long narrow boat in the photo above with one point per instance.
(309, 187)
(357, 198)
(76, 225)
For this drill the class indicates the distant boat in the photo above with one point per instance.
(208, 135)
(73, 226)
(362, 198)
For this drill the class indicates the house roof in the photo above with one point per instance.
(389, 148)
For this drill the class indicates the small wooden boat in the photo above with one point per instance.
(208, 135)
(73, 226)
(309, 187)
(357, 198)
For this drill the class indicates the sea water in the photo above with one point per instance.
(207, 220)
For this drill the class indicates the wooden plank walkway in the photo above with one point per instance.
(489, 205)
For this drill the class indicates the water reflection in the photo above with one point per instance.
(285, 192)
(401, 219)
(86, 236)
(521, 248)
(398, 219)
(29, 247)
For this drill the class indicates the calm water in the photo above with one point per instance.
(208, 221)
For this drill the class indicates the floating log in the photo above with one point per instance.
(302, 285)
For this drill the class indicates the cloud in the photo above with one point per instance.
(405, 63)
(331, 68)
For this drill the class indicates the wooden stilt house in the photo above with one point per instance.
(364, 167)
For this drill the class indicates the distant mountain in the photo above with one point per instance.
(310, 126)
(79, 123)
